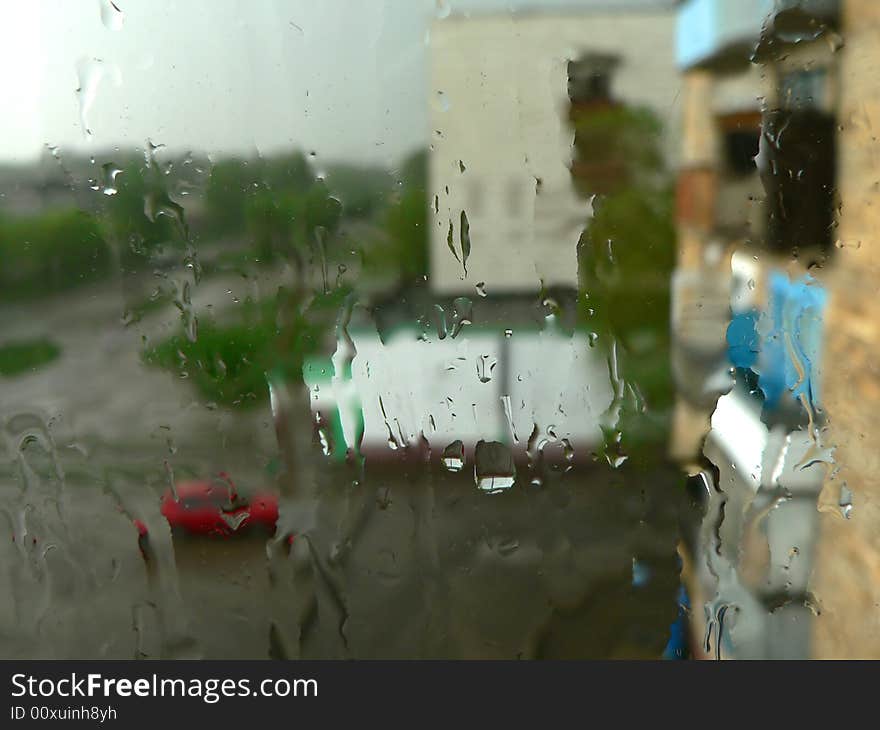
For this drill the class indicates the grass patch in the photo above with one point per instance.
(229, 362)
(26, 355)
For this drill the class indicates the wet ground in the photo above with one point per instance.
(431, 567)
(397, 560)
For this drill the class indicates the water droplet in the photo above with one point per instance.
(494, 470)
(450, 243)
(442, 9)
(191, 326)
(464, 234)
(481, 288)
(158, 204)
(848, 244)
(535, 452)
(90, 72)
(219, 366)
(507, 547)
(110, 171)
(834, 40)
(485, 365)
(613, 451)
(568, 452)
(234, 519)
(845, 502)
(463, 313)
(453, 456)
(440, 101)
(111, 16)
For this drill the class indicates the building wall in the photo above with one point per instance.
(501, 140)
(845, 584)
(847, 578)
(699, 300)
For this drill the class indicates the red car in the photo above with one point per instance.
(215, 508)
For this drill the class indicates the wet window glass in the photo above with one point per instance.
(438, 329)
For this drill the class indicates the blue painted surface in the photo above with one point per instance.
(743, 342)
(677, 646)
(704, 28)
(641, 574)
(783, 345)
(790, 357)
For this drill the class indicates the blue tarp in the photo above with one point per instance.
(677, 646)
(783, 345)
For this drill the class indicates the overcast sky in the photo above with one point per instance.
(344, 78)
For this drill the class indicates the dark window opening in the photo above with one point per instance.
(740, 149)
(740, 137)
(800, 179)
(803, 89)
(589, 78)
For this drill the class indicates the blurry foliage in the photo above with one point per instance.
(627, 252)
(26, 355)
(274, 221)
(287, 224)
(616, 148)
(285, 210)
(226, 196)
(364, 191)
(288, 213)
(229, 362)
(269, 209)
(281, 206)
(139, 190)
(234, 184)
(405, 225)
(627, 260)
(50, 253)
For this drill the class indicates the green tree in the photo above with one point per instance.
(50, 253)
(231, 184)
(405, 223)
(363, 191)
(140, 217)
(626, 254)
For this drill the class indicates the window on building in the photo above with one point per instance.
(803, 89)
(590, 77)
(800, 179)
(740, 135)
